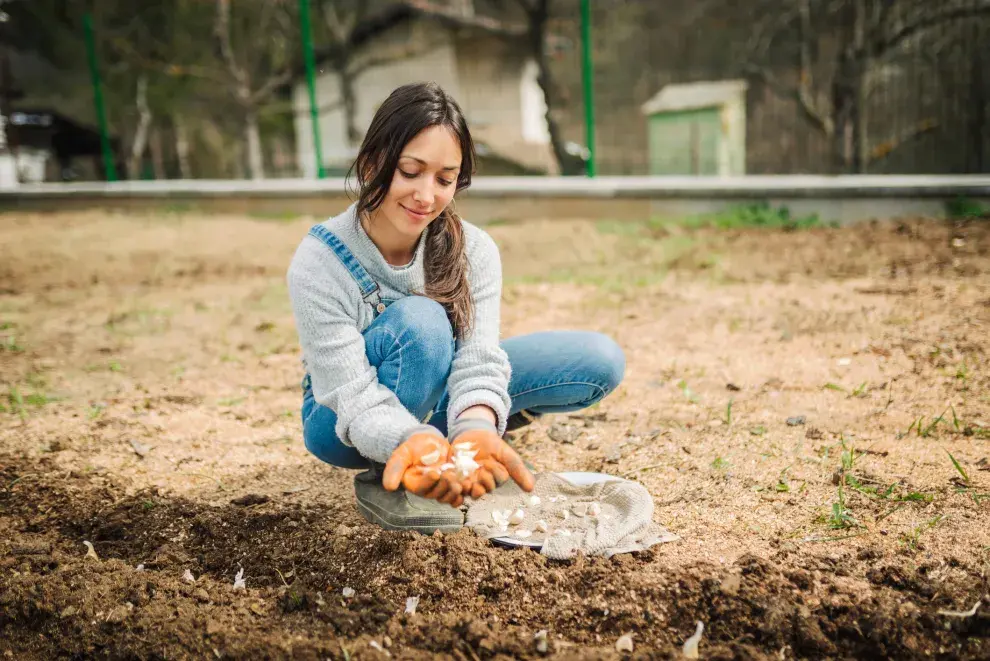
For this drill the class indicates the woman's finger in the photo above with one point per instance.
(517, 469)
(498, 472)
(395, 468)
(439, 490)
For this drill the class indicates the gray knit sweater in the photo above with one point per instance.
(330, 317)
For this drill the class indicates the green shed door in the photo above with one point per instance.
(685, 143)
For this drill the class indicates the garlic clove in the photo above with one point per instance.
(431, 458)
(594, 509)
(564, 514)
(347, 592)
(517, 517)
(465, 465)
(534, 501)
(541, 525)
(522, 534)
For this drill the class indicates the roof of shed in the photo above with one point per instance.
(692, 96)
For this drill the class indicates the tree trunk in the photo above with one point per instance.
(182, 146)
(157, 155)
(538, 15)
(978, 106)
(252, 140)
(349, 101)
(845, 94)
(861, 144)
(141, 132)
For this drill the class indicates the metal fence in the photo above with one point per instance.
(831, 86)
(218, 89)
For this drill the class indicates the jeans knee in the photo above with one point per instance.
(606, 361)
(424, 322)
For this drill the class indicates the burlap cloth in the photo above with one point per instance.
(624, 523)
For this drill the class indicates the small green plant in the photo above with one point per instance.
(758, 214)
(783, 484)
(959, 468)
(687, 392)
(728, 414)
(911, 539)
(861, 390)
(16, 400)
(962, 371)
(964, 207)
(115, 366)
(38, 399)
(841, 517)
(232, 401)
(9, 343)
(95, 411)
(720, 464)
(848, 457)
(759, 430)
(834, 386)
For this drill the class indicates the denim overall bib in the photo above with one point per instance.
(370, 291)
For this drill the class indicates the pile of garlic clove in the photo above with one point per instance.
(513, 518)
(464, 462)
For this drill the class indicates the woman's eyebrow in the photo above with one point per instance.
(422, 162)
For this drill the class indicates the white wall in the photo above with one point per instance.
(423, 52)
(534, 106)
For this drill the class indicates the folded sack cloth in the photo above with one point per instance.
(604, 518)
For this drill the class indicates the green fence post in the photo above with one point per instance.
(587, 81)
(307, 44)
(108, 165)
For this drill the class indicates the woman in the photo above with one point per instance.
(396, 303)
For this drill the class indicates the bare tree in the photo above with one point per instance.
(261, 66)
(864, 33)
(537, 14)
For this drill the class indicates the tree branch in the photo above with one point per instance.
(388, 58)
(340, 28)
(270, 86)
(223, 35)
(884, 149)
(930, 20)
(799, 94)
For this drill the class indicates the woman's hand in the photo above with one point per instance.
(416, 465)
(498, 461)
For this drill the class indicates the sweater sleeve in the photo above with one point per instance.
(370, 417)
(480, 370)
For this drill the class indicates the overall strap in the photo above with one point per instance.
(369, 288)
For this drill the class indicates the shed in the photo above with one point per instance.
(698, 129)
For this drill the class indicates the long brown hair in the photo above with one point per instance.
(408, 110)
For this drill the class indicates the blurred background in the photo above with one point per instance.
(234, 89)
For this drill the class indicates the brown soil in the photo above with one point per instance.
(149, 382)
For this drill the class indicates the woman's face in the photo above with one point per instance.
(423, 183)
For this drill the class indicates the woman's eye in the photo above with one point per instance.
(445, 182)
(408, 175)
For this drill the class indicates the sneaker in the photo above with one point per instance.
(401, 510)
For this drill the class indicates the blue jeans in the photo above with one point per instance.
(412, 346)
